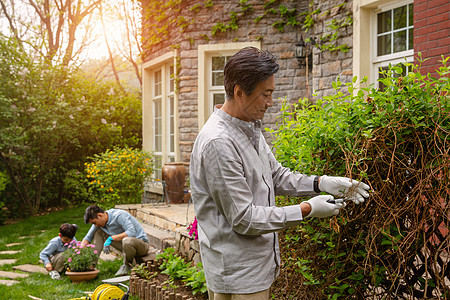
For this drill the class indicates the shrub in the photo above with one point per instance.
(395, 140)
(76, 188)
(118, 175)
(3, 210)
(51, 119)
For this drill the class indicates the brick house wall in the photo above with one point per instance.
(431, 32)
(291, 79)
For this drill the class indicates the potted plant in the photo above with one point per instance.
(80, 262)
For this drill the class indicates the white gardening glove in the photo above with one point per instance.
(344, 187)
(320, 208)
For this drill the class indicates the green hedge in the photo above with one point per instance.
(395, 140)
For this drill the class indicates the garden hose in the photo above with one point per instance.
(105, 292)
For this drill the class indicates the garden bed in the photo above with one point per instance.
(157, 286)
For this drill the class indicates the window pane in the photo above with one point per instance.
(217, 78)
(405, 71)
(411, 39)
(171, 126)
(158, 82)
(158, 125)
(384, 22)
(400, 17)
(218, 63)
(157, 109)
(384, 45)
(400, 41)
(158, 143)
(158, 166)
(411, 15)
(171, 80)
(218, 99)
(381, 85)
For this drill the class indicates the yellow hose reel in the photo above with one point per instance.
(106, 292)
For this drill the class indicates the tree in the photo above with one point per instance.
(50, 27)
(51, 121)
(122, 37)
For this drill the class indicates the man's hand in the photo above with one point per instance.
(49, 267)
(106, 245)
(320, 208)
(84, 243)
(108, 241)
(344, 187)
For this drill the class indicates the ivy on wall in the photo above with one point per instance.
(162, 17)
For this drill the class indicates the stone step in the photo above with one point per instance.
(10, 252)
(7, 261)
(13, 275)
(161, 222)
(166, 217)
(158, 238)
(31, 268)
(13, 244)
(8, 282)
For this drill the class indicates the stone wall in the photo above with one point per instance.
(292, 78)
(328, 66)
(186, 246)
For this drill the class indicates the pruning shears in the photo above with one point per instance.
(333, 201)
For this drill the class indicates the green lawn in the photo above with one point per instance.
(39, 230)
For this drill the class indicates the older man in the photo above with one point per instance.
(234, 179)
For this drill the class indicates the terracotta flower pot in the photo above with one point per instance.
(174, 175)
(77, 277)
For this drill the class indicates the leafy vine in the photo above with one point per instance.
(162, 17)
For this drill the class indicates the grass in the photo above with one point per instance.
(38, 232)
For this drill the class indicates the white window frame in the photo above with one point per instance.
(205, 90)
(149, 68)
(171, 117)
(393, 58)
(365, 21)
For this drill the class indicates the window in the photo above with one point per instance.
(159, 109)
(393, 39)
(211, 62)
(216, 88)
(171, 116)
(395, 30)
(383, 35)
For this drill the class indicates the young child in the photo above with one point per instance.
(52, 254)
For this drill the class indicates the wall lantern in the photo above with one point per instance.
(302, 50)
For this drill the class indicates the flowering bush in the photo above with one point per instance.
(119, 174)
(80, 259)
(76, 188)
(193, 229)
